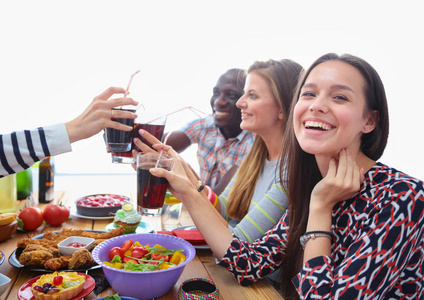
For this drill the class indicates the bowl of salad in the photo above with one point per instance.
(143, 266)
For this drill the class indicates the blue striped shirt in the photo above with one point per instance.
(21, 149)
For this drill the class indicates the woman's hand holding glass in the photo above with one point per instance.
(183, 171)
(98, 115)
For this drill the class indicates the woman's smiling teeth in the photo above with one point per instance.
(317, 126)
(245, 114)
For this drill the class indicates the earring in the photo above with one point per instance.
(365, 129)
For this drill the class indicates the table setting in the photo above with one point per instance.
(111, 245)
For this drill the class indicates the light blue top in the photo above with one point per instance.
(267, 206)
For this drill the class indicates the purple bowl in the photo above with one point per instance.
(143, 285)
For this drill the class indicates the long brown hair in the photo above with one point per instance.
(281, 77)
(303, 171)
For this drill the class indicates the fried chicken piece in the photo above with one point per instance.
(67, 232)
(97, 242)
(80, 259)
(23, 243)
(35, 258)
(60, 236)
(104, 235)
(34, 247)
(58, 263)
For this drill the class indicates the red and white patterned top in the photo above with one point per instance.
(377, 249)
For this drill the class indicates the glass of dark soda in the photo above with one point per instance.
(119, 140)
(126, 157)
(151, 190)
(152, 122)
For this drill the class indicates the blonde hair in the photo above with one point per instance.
(282, 77)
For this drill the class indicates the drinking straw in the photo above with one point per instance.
(129, 82)
(161, 151)
(193, 109)
(128, 89)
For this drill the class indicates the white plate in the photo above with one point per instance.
(143, 227)
(76, 214)
(190, 227)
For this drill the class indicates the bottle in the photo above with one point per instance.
(46, 180)
(8, 194)
(24, 184)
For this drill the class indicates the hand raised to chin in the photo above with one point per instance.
(343, 181)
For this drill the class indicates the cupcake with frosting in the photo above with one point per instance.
(127, 217)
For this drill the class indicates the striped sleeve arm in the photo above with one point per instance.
(264, 215)
(20, 149)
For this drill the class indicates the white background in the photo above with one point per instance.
(57, 55)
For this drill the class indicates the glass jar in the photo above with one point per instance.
(8, 194)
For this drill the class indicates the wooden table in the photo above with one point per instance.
(203, 264)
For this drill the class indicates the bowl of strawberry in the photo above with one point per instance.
(143, 266)
(100, 205)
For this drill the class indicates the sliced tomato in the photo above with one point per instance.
(127, 259)
(126, 245)
(159, 256)
(139, 252)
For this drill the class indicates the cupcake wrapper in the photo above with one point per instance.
(128, 229)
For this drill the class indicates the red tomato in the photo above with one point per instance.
(30, 218)
(115, 251)
(127, 259)
(56, 214)
(159, 256)
(139, 252)
(127, 245)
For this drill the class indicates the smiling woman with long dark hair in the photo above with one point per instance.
(354, 228)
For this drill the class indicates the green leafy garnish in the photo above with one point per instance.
(114, 297)
(163, 251)
(116, 259)
(130, 266)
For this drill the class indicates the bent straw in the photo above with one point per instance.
(161, 151)
(129, 82)
(193, 109)
(128, 89)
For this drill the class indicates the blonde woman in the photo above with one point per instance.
(254, 200)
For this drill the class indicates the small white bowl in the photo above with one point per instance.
(4, 283)
(66, 250)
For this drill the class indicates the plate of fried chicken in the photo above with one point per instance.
(41, 253)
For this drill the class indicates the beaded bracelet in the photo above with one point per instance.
(213, 198)
(198, 289)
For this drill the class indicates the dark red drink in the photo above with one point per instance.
(151, 190)
(156, 130)
(119, 140)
